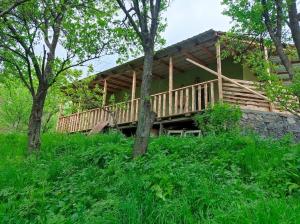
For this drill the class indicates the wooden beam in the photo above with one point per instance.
(119, 83)
(170, 85)
(104, 92)
(153, 73)
(227, 79)
(174, 67)
(140, 69)
(127, 77)
(133, 90)
(219, 70)
(191, 56)
(133, 95)
(113, 86)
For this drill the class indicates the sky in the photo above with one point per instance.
(185, 18)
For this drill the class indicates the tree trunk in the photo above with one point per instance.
(35, 120)
(146, 116)
(283, 57)
(294, 24)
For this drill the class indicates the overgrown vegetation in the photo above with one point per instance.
(221, 118)
(227, 178)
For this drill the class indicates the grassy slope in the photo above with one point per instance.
(78, 179)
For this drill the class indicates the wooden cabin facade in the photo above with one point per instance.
(188, 77)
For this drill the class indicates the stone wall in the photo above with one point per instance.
(270, 124)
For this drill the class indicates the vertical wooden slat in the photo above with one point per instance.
(164, 109)
(159, 106)
(133, 90)
(181, 102)
(155, 104)
(193, 99)
(104, 92)
(170, 85)
(79, 121)
(136, 109)
(219, 71)
(128, 111)
(212, 94)
(176, 102)
(187, 100)
(205, 96)
(123, 113)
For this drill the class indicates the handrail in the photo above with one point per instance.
(187, 99)
(201, 83)
(226, 78)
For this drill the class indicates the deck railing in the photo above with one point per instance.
(240, 96)
(184, 100)
(178, 102)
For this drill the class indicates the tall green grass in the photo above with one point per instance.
(92, 179)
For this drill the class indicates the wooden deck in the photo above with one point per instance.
(184, 101)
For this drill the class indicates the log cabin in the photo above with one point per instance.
(188, 78)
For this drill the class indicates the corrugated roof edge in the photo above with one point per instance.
(172, 49)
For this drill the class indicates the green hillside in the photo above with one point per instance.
(215, 179)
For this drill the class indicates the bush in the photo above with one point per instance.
(221, 118)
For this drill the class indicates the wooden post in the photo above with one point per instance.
(133, 90)
(219, 70)
(161, 129)
(269, 73)
(171, 71)
(104, 92)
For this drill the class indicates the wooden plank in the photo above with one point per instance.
(193, 99)
(176, 102)
(219, 71)
(164, 109)
(205, 96)
(171, 71)
(239, 90)
(128, 112)
(247, 99)
(187, 100)
(123, 114)
(98, 127)
(133, 94)
(236, 101)
(155, 104)
(104, 93)
(212, 94)
(136, 109)
(190, 55)
(199, 98)
(181, 102)
(246, 95)
(226, 78)
(159, 106)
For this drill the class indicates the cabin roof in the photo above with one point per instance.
(200, 48)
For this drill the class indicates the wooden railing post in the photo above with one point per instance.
(219, 71)
(133, 90)
(104, 93)
(171, 69)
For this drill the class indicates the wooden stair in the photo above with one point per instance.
(98, 127)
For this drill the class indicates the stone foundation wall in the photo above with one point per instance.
(270, 124)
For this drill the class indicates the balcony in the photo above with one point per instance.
(180, 102)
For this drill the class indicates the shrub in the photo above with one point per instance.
(219, 119)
